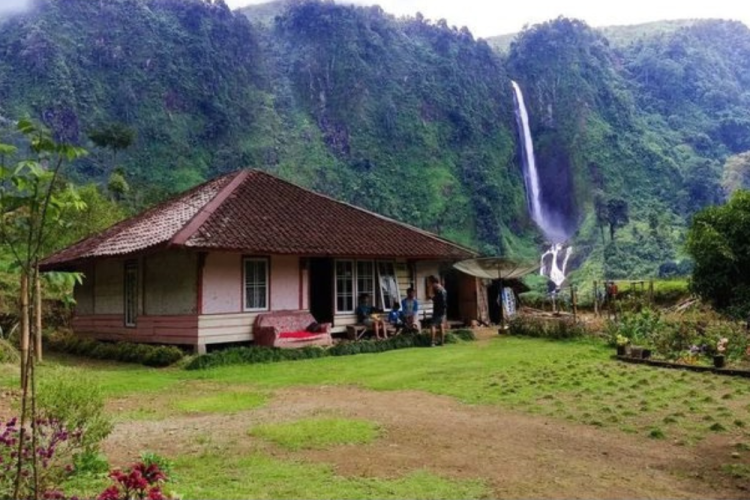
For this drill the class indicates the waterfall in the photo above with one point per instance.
(558, 254)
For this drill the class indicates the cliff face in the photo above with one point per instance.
(406, 117)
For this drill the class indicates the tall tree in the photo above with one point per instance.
(32, 200)
(617, 215)
(719, 243)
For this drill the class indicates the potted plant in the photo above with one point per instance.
(622, 345)
(721, 348)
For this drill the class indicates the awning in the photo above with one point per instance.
(495, 268)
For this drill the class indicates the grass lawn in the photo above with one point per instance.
(573, 380)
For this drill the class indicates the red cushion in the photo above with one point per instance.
(297, 335)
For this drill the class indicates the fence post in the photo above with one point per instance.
(573, 301)
(596, 298)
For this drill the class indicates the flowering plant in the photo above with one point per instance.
(54, 446)
(140, 482)
(622, 340)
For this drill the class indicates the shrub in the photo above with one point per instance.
(71, 396)
(8, 353)
(258, 354)
(53, 454)
(639, 327)
(141, 481)
(147, 354)
(163, 356)
(164, 464)
(558, 329)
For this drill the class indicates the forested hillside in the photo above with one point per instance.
(408, 117)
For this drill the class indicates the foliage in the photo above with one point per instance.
(258, 354)
(736, 173)
(639, 327)
(689, 338)
(556, 329)
(114, 136)
(141, 481)
(719, 243)
(8, 352)
(338, 98)
(74, 398)
(164, 464)
(52, 448)
(147, 354)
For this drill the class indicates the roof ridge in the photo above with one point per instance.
(194, 224)
(374, 214)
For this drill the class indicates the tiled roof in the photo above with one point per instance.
(254, 212)
(153, 227)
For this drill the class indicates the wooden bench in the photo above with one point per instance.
(355, 332)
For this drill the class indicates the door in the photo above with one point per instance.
(321, 289)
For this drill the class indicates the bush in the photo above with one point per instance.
(638, 327)
(685, 338)
(73, 397)
(52, 450)
(557, 329)
(258, 354)
(163, 356)
(8, 353)
(128, 352)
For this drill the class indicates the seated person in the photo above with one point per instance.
(367, 315)
(410, 310)
(395, 319)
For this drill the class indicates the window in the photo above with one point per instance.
(389, 293)
(344, 286)
(131, 293)
(364, 276)
(256, 284)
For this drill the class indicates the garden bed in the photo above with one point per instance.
(696, 368)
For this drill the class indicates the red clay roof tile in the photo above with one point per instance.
(255, 212)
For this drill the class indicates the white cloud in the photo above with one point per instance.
(493, 17)
(15, 6)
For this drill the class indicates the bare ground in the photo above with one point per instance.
(518, 455)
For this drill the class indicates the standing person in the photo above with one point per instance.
(439, 305)
(410, 310)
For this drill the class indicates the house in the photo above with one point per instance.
(198, 269)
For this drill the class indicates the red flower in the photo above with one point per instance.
(156, 494)
(111, 493)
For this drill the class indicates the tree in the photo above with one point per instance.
(115, 137)
(617, 215)
(719, 243)
(32, 200)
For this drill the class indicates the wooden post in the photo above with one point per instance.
(24, 326)
(651, 291)
(596, 298)
(573, 301)
(37, 315)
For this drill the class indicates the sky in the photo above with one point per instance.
(496, 17)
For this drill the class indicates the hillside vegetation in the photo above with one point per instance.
(408, 117)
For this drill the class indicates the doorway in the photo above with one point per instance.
(321, 289)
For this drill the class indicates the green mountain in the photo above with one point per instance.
(407, 117)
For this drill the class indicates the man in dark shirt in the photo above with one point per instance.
(439, 305)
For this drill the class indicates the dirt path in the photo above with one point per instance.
(518, 455)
